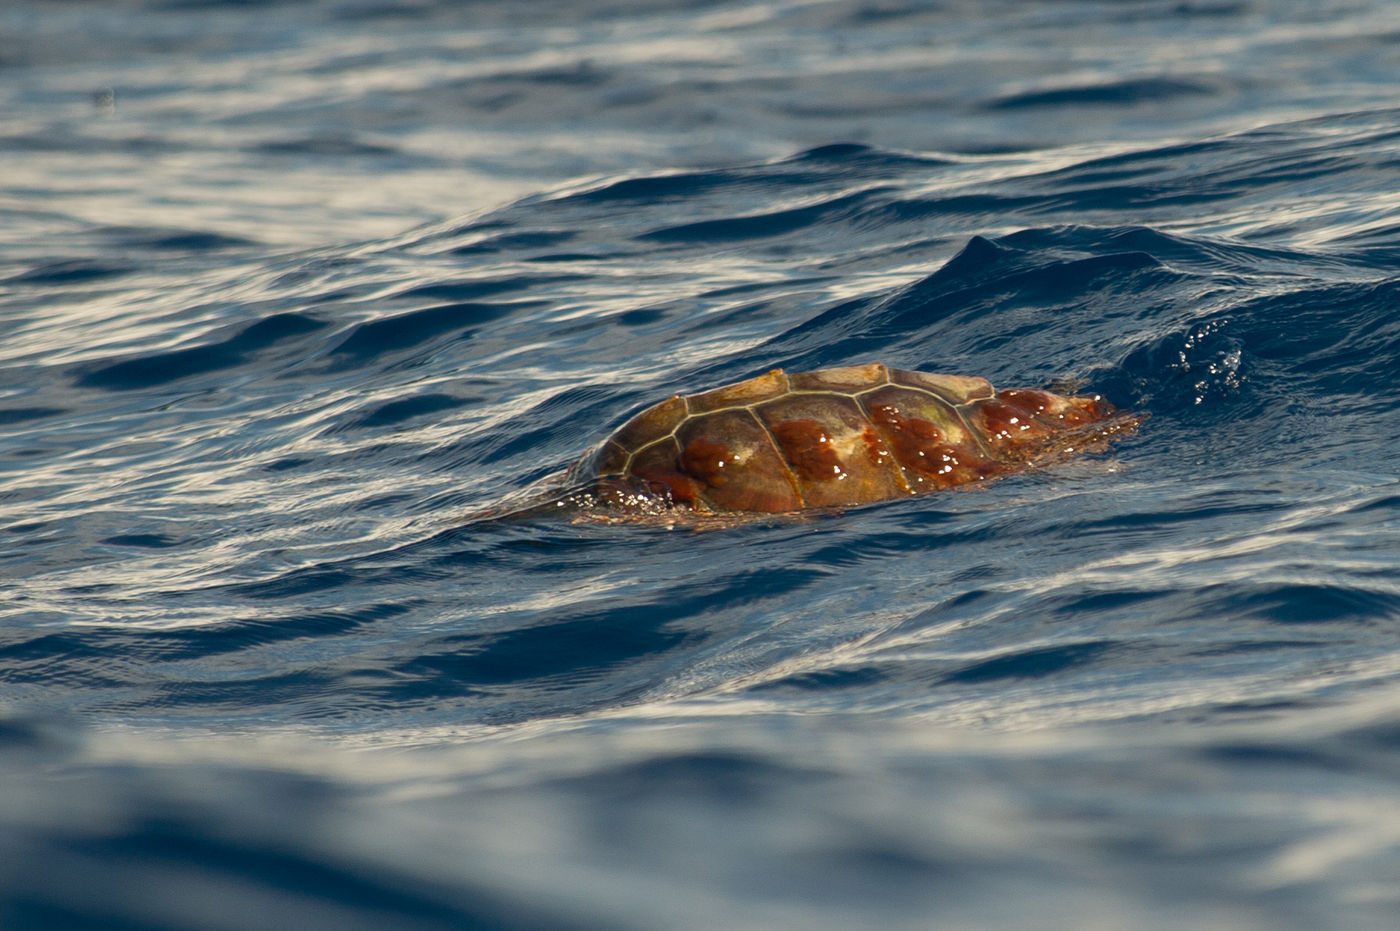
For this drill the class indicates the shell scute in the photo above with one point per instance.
(825, 441)
(838, 437)
(1020, 423)
(651, 424)
(610, 459)
(741, 394)
(1053, 409)
(732, 458)
(915, 413)
(654, 461)
(925, 449)
(956, 389)
(845, 380)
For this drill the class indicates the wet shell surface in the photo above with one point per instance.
(837, 437)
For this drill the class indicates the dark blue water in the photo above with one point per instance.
(291, 291)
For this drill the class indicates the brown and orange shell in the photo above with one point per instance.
(838, 437)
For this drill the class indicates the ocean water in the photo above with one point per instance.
(291, 293)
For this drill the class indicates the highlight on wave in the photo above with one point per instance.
(833, 438)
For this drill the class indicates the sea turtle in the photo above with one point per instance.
(832, 438)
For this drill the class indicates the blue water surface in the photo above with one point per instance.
(293, 293)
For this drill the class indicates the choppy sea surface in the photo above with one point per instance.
(290, 291)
